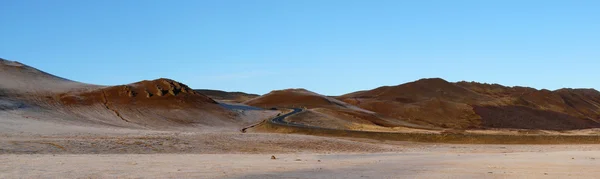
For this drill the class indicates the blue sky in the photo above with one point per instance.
(327, 46)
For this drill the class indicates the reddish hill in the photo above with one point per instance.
(237, 97)
(290, 98)
(333, 113)
(421, 90)
(156, 104)
(436, 102)
(158, 93)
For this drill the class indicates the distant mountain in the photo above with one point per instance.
(464, 105)
(237, 97)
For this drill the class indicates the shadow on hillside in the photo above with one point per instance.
(520, 117)
(238, 107)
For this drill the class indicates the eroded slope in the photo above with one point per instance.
(470, 105)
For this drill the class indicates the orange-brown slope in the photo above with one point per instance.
(237, 97)
(158, 104)
(436, 102)
(157, 93)
(291, 98)
(328, 108)
(529, 108)
(18, 78)
(161, 103)
(423, 102)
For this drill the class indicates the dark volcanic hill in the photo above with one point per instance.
(237, 97)
(463, 105)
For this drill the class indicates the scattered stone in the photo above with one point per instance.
(273, 157)
(297, 160)
(318, 160)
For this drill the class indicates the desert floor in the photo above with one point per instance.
(31, 148)
(411, 160)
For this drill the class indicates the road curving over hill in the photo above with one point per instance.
(278, 119)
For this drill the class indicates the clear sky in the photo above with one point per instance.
(327, 46)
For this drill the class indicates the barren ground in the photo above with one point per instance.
(51, 127)
(43, 150)
(486, 162)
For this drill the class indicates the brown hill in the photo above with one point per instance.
(462, 105)
(161, 103)
(323, 111)
(158, 104)
(159, 93)
(16, 77)
(237, 97)
(291, 98)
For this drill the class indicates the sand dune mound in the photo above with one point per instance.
(19, 78)
(431, 102)
(236, 97)
(290, 98)
(30, 97)
(157, 104)
(157, 93)
(463, 105)
(323, 111)
(420, 90)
